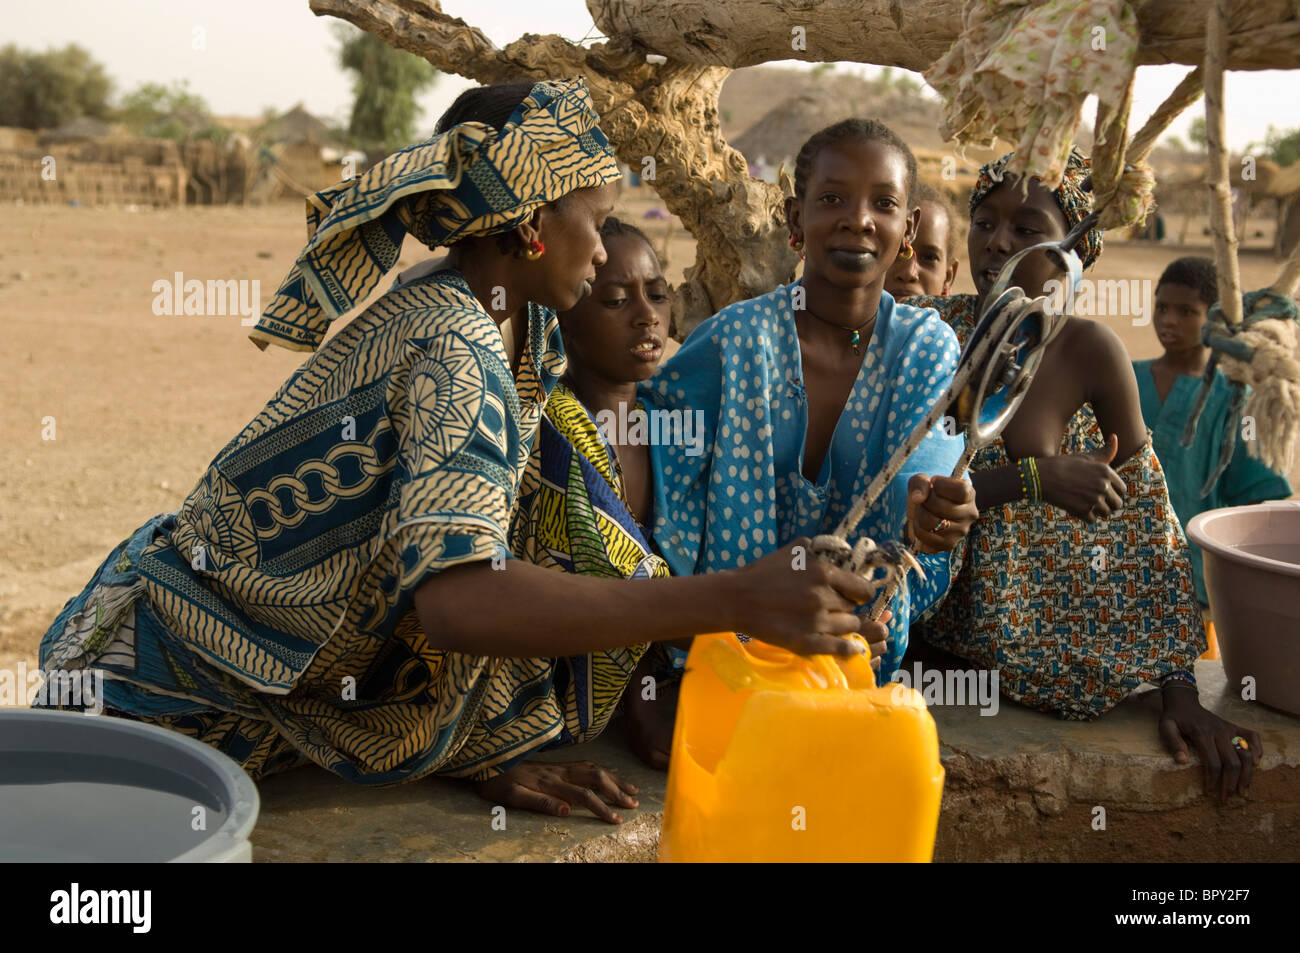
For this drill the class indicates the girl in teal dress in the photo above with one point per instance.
(1168, 387)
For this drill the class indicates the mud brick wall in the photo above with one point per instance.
(131, 181)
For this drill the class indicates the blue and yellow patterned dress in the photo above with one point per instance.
(573, 517)
(272, 614)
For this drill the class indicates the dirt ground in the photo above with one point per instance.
(141, 403)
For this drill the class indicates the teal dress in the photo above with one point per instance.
(1245, 481)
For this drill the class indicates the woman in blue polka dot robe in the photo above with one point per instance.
(803, 393)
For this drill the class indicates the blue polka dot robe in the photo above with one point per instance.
(736, 491)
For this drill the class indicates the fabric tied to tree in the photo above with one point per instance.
(469, 181)
(1021, 71)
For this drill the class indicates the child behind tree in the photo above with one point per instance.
(1168, 386)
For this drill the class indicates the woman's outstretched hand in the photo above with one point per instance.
(557, 787)
(932, 500)
(1226, 768)
(792, 599)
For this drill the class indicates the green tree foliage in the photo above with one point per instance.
(44, 90)
(1196, 133)
(385, 83)
(156, 111)
(1282, 145)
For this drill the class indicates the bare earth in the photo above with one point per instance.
(141, 403)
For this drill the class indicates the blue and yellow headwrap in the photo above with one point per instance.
(469, 181)
(1073, 201)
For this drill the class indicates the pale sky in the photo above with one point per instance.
(261, 53)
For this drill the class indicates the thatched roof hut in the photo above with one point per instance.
(296, 126)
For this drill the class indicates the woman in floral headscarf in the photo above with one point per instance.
(338, 587)
(1076, 586)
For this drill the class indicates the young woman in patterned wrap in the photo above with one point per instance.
(1076, 585)
(587, 504)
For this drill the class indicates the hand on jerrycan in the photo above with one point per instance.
(795, 601)
(778, 756)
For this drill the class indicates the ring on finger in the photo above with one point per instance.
(1240, 743)
(940, 526)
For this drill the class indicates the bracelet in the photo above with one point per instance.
(1179, 676)
(1031, 487)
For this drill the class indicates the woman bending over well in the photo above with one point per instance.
(338, 588)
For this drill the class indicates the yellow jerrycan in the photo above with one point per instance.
(777, 757)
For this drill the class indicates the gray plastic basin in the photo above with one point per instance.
(1252, 575)
(85, 788)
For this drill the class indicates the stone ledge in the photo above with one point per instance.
(311, 815)
(1020, 786)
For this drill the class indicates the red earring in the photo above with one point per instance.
(797, 245)
(535, 251)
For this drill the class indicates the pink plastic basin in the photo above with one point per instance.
(1252, 575)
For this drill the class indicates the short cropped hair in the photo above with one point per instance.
(1193, 272)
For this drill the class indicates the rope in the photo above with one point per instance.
(1261, 352)
(1184, 95)
(1253, 336)
(1125, 196)
(1108, 156)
